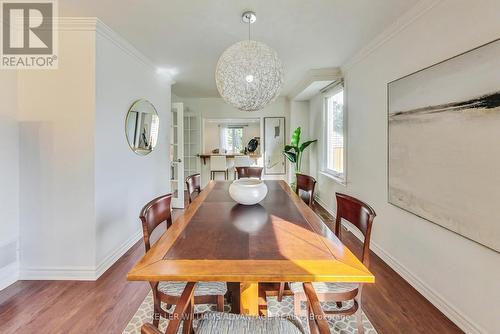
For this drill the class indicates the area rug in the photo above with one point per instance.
(338, 325)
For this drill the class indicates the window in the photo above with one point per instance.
(232, 139)
(335, 150)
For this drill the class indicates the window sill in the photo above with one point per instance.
(334, 178)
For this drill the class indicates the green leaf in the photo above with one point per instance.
(288, 148)
(306, 144)
(296, 137)
(290, 156)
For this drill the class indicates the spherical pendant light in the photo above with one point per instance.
(249, 74)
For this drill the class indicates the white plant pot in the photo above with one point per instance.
(248, 191)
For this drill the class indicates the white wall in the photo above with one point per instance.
(81, 187)
(211, 137)
(299, 116)
(57, 116)
(459, 276)
(125, 181)
(9, 178)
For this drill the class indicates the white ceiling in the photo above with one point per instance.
(187, 37)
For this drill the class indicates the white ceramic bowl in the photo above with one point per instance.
(248, 191)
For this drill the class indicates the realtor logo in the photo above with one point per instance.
(28, 35)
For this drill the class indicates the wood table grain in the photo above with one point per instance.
(278, 240)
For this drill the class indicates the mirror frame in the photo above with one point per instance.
(134, 104)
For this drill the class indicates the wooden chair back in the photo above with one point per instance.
(183, 313)
(305, 188)
(154, 213)
(360, 215)
(245, 172)
(193, 183)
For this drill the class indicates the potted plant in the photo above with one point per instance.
(294, 151)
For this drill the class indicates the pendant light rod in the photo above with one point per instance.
(248, 17)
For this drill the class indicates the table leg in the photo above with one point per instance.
(249, 298)
(234, 291)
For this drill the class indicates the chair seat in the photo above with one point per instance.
(216, 322)
(325, 287)
(202, 288)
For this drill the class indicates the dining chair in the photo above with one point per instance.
(218, 164)
(215, 322)
(249, 172)
(361, 217)
(152, 216)
(241, 161)
(193, 183)
(305, 188)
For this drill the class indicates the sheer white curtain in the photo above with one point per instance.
(222, 138)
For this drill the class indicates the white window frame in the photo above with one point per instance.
(334, 175)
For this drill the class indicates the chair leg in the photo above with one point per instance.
(281, 291)
(297, 299)
(156, 313)
(188, 323)
(313, 327)
(220, 303)
(359, 313)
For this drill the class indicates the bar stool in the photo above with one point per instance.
(218, 164)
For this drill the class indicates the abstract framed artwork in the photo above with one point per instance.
(274, 144)
(444, 144)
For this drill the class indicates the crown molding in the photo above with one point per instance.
(105, 31)
(101, 29)
(315, 75)
(394, 29)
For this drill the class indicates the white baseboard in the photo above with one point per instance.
(461, 320)
(116, 254)
(82, 273)
(8, 275)
(57, 273)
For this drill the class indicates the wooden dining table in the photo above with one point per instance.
(278, 240)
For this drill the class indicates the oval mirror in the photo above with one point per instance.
(141, 127)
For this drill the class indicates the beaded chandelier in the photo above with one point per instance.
(249, 74)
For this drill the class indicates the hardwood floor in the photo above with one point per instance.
(106, 305)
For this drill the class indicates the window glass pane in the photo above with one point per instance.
(335, 133)
(233, 139)
(238, 140)
(229, 139)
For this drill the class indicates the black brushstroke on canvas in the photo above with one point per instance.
(489, 101)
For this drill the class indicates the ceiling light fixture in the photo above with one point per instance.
(249, 74)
